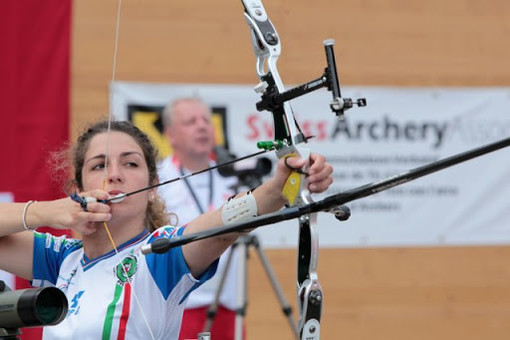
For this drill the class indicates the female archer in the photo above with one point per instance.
(113, 290)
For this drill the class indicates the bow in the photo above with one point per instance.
(290, 141)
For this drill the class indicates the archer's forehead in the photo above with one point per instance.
(113, 143)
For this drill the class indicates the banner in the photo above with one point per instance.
(400, 129)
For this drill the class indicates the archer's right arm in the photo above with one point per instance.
(18, 219)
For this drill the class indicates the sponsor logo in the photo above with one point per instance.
(435, 133)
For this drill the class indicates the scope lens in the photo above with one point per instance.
(49, 307)
(42, 306)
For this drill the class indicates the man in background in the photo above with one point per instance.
(188, 127)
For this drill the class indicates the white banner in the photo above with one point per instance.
(400, 129)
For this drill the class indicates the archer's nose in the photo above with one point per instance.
(114, 175)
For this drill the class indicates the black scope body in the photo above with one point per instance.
(31, 307)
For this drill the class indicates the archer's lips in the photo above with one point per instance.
(115, 192)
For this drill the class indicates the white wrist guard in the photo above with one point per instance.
(238, 209)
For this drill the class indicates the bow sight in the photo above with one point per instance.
(272, 99)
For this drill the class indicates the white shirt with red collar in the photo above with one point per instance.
(211, 190)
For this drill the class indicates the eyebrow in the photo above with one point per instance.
(122, 155)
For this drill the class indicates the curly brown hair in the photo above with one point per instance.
(156, 215)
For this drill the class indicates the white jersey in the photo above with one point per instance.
(101, 303)
(211, 190)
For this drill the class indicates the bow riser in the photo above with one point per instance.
(267, 48)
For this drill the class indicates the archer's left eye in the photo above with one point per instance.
(131, 164)
(98, 166)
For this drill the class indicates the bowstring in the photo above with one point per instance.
(105, 174)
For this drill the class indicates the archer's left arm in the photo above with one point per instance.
(268, 198)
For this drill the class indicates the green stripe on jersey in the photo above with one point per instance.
(108, 321)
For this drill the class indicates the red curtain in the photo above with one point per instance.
(34, 97)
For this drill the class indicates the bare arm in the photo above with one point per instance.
(200, 254)
(16, 243)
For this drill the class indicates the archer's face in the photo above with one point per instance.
(126, 171)
(192, 132)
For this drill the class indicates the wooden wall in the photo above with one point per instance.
(392, 294)
(389, 293)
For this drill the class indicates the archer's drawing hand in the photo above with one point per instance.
(67, 214)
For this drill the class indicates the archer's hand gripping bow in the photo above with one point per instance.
(289, 141)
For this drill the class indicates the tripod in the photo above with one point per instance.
(242, 245)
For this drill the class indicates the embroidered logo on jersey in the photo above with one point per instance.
(60, 242)
(47, 244)
(74, 308)
(57, 243)
(126, 269)
(66, 282)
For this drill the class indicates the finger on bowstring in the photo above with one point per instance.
(79, 199)
(98, 194)
(88, 201)
(96, 206)
(82, 200)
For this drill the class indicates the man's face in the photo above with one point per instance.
(191, 131)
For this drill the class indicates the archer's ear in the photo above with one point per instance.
(152, 194)
(154, 191)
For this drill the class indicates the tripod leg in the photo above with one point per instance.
(286, 308)
(241, 299)
(213, 308)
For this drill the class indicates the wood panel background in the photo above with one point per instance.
(386, 293)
